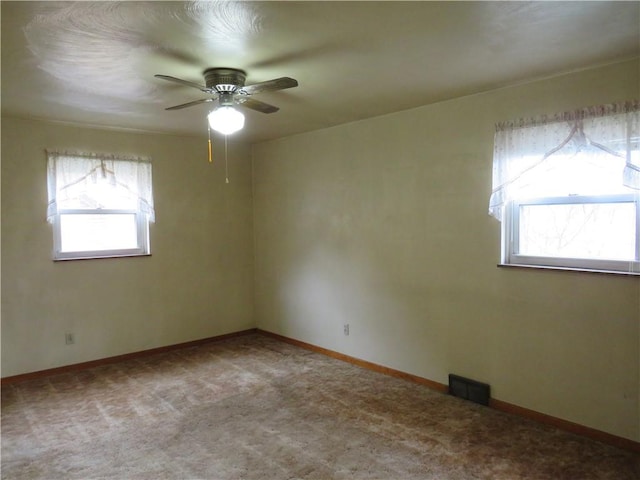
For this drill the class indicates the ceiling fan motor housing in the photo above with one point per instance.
(224, 79)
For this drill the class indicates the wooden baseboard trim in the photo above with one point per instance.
(119, 358)
(441, 387)
(496, 404)
(566, 425)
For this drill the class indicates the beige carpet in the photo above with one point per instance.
(256, 408)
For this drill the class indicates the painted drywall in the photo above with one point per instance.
(383, 224)
(197, 283)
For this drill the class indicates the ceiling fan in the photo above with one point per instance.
(227, 86)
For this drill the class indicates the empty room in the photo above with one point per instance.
(320, 240)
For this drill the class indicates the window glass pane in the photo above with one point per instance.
(91, 232)
(587, 230)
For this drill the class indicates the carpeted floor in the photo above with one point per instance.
(253, 407)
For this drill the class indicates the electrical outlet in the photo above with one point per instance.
(346, 329)
(69, 338)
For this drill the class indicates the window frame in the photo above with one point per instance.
(510, 255)
(142, 234)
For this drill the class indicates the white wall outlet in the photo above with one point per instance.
(69, 338)
(346, 329)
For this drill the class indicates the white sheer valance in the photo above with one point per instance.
(95, 181)
(555, 152)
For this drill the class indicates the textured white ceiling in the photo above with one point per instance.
(93, 62)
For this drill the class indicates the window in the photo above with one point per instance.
(99, 205)
(567, 189)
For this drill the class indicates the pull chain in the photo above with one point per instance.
(209, 140)
(226, 161)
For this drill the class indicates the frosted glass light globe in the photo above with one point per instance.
(226, 120)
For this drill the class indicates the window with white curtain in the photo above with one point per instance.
(566, 188)
(99, 205)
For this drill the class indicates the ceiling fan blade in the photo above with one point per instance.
(256, 105)
(270, 85)
(184, 82)
(191, 104)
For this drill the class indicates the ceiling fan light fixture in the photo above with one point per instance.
(226, 120)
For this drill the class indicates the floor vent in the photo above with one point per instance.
(469, 389)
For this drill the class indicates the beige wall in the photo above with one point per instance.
(197, 283)
(382, 224)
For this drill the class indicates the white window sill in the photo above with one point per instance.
(569, 269)
(67, 259)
